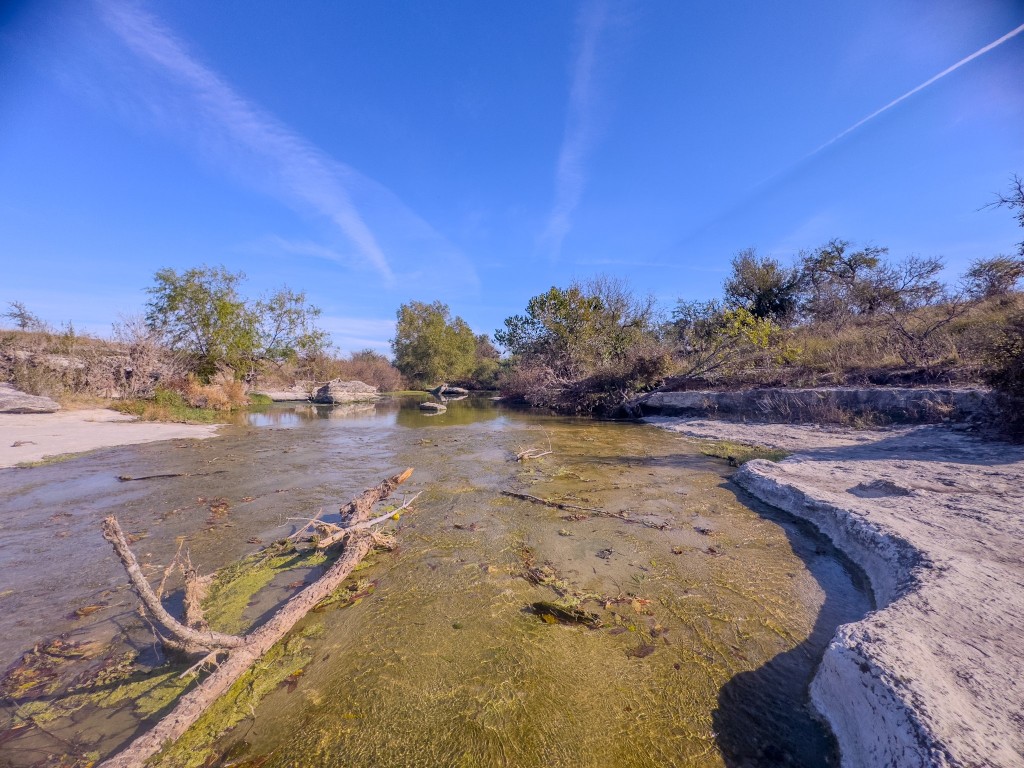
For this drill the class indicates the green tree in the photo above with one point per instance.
(714, 339)
(840, 282)
(202, 313)
(286, 327)
(430, 346)
(584, 348)
(763, 286)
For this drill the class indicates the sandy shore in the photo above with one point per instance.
(31, 437)
(936, 520)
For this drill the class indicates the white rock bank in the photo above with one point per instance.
(935, 676)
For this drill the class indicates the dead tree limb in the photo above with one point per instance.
(193, 704)
(184, 635)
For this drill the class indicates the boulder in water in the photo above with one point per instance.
(339, 391)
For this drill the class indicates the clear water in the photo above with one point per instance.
(714, 609)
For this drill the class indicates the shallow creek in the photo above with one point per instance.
(714, 610)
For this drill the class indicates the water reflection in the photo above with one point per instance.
(402, 411)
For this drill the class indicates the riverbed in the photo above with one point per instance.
(714, 610)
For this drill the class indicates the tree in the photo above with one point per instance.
(988, 278)
(584, 348)
(202, 313)
(763, 286)
(286, 327)
(23, 318)
(1014, 200)
(714, 339)
(430, 347)
(840, 282)
(578, 328)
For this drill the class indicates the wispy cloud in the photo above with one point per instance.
(301, 173)
(570, 172)
(352, 334)
(948, 70)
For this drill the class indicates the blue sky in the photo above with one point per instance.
(478, 152)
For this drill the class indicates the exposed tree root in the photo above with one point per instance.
(242, 652)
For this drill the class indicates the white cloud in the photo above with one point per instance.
(352, 334)
(186, 96)
(570, 171)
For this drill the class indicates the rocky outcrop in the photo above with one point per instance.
(444, 390)
(300, 391)
(15, 401)
(891, 404)
(933, 517)
(338, 391)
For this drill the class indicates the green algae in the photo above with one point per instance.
(740, 453)
(235, 585)
(284, 662)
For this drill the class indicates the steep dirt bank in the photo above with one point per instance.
(936, 520)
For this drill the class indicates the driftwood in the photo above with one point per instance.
(242, 652)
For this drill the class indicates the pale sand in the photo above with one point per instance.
(935, 517)
(43, 435)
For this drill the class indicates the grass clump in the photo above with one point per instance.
(740, 453)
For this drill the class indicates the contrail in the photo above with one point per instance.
(921, 87)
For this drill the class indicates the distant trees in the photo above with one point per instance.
(202, 313)
(431, 347)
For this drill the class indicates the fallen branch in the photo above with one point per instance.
(548, 503)
(193, 704)
(340, 532)
(185, 636)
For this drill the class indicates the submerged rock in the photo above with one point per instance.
(553, 613)
(339, 391)
(15, 401)
(433, 407)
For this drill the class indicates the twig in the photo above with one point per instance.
(342, 532)
(548, 503)
(210, 658)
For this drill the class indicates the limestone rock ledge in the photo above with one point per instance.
(931, 678)
(15, 401)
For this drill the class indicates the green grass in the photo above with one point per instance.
(739, 452)
(255, 398)
(48, 460)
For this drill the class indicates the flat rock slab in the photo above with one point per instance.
(16, 401)
(935, 518)
(287, 395)
(34, 436)
(340, 391)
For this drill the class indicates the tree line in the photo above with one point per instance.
(590, 346)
